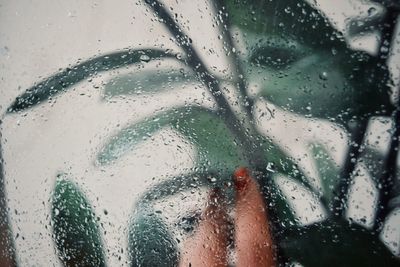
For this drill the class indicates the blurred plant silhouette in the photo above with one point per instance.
(303, 65)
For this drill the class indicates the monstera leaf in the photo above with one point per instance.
(298, 20)
(329, 172)
(280, 162)
(318, 85)
(216, 147)
(388, 3)
(302, 64)
(149, 81)
(335, 243)
(374, 161)
(150, 242)
(76, 233)
(63, 80)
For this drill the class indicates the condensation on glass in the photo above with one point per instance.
(199, 133)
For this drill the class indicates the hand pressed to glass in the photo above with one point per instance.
(253, 240)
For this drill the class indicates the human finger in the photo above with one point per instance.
(253, 239)
(208, 245)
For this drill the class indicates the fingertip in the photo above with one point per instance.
(241, 179)
(241, 172)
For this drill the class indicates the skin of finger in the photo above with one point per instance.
(253, 240)
(208, 245)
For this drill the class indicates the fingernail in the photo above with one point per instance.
(241, 178)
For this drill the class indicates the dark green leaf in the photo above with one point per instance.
(304, 65)
(374, 161)
(281, 163)
(327, 86)
(150, 243)
(329, 172)
(185, 182)
(76, 233)
(284, 213)
(67, 78)
(333, 243)
(216, 147)
(297, 20)
(149, 81)
(361, 26)
(389, 3)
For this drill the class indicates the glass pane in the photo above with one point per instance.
(199, 133)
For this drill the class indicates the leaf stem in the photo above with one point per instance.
(236, 66)
(194, 61)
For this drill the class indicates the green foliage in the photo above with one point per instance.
(374, 161)
(64, 80)
(297, 20)
(335, 243)
(216, 147)
(319, 85)
(305, 66)
(149, 81)
(302, 64)
(150, 242)
(76, 233)
(280, 163)
(284, 213)
(329, 172)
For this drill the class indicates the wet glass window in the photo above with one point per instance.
(199, 133)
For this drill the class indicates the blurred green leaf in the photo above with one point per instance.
(374, 161)
(359, 26)
(304, 65)
(185, 182)
(329, 172)
(76, 233)
(280, 162)
(67, 78)
(335, 243)
(150, 242)
(216, 147)
(323, 85)
(298, 20)
(389, 3)
(149, 81)
(284, 213)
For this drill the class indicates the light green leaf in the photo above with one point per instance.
(216, 147)
(76, 233)
(65, 79)
(329, 171)
(149, 81)
(150, 243)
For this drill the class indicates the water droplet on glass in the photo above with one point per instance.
(372, 11)
(144, 58)
(323, 75)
